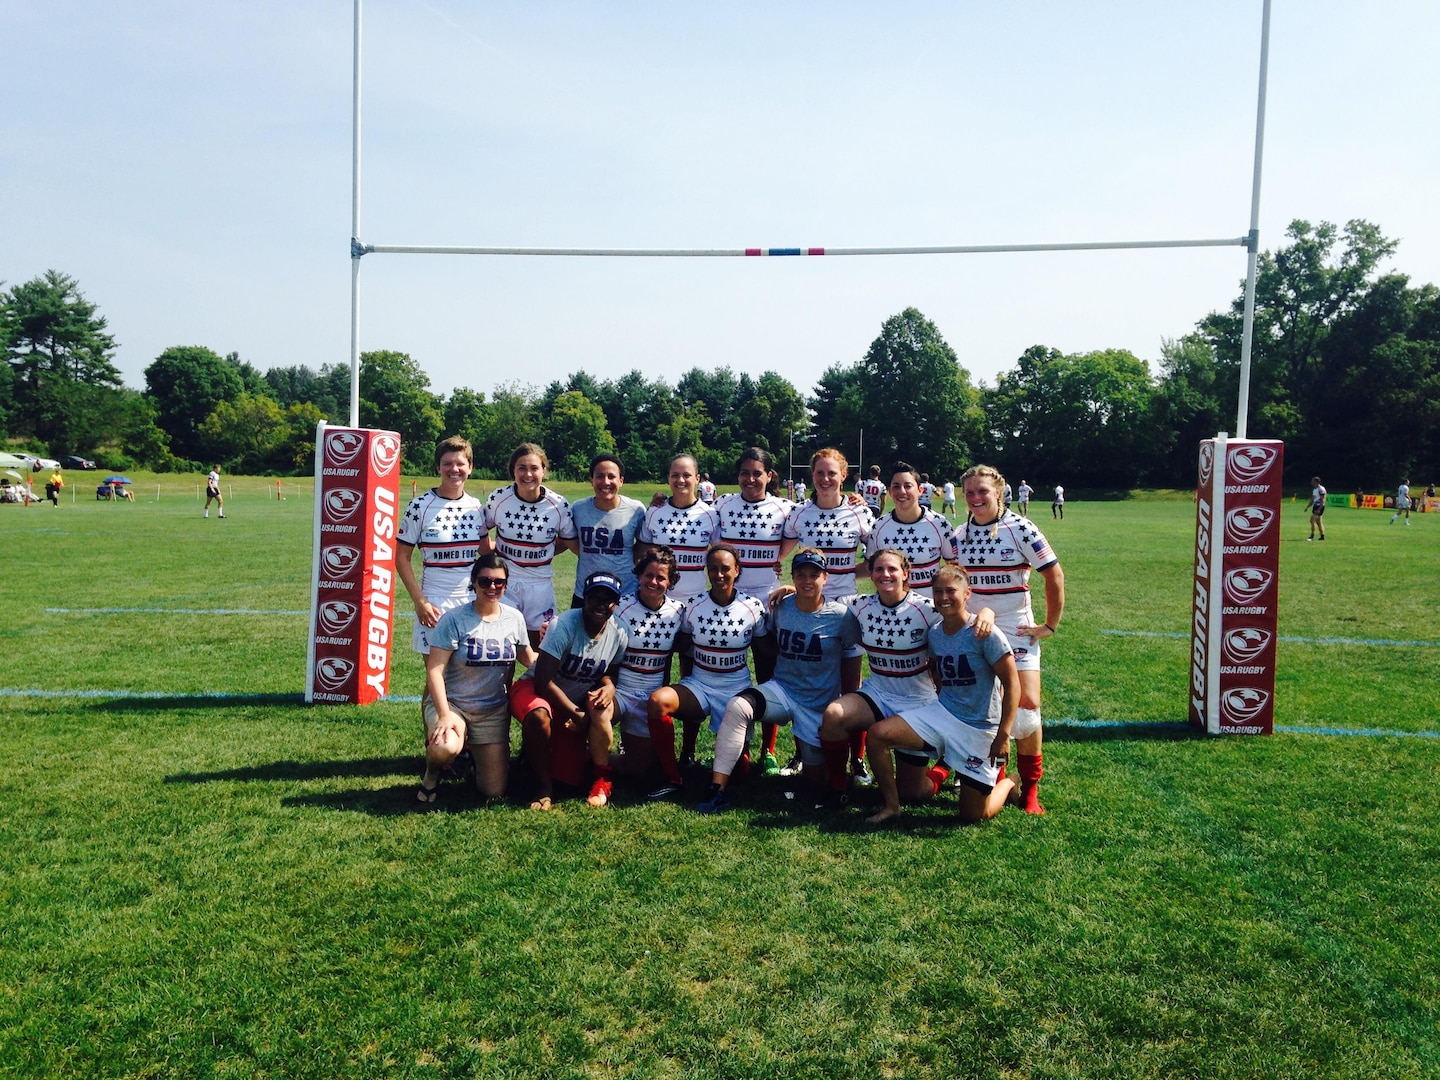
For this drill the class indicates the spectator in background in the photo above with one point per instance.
(1317, 507)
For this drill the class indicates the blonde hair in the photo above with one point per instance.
(987, 472)
(950, 570)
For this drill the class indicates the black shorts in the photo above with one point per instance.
(1316, 511)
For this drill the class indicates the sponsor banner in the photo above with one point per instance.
(1234, 603)
(352, 597)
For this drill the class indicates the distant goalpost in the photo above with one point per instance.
(1250, 240)
(1235, 584)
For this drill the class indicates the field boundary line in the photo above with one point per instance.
(1282, 637)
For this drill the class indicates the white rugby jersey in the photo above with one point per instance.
(872, 491)
(837, 534)
(755, 529)
(925, 542)
(526, 532)
(646, 662)
(447, 532)
(688, 533)
(720, 637)
(896, 640)
(999, 558)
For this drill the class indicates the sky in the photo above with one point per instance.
(190, 165)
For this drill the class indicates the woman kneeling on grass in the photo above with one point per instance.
(969, 728)
(814, 638)
(571, 686)
(473, 650)
(652, 622)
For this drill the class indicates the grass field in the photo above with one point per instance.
(200, 876)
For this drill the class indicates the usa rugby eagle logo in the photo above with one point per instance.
(1243, 704)
(1244, 644)
(384, 453)
(1247, 584)
(333, 672)
(341, 503)
(337, 615)
(339, 560)
(1248, 463)
(1248, 523)
(1207, 462)
(342, 446)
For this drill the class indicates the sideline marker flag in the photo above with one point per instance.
(352, 580)
(1236, 587)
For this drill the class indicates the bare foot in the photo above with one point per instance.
(885, 815)
(542, 803)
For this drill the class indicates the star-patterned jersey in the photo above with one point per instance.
(720, 637)
(837, 534)
(872, 491)
(646, 662)
(526, 532)
(756, 529)
(706, 489)
(687, 532)
(447, 532)
(999, 558)
(896, 641)
(925, 542)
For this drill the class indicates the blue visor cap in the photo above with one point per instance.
(603, 579)
(808, 558)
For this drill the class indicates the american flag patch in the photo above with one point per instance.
(1038, 546)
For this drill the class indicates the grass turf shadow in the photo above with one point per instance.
(197, 701)
(304, 770)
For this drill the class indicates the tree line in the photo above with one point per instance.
(1345, 369)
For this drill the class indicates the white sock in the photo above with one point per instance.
(733, 735)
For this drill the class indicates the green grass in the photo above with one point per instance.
(205, 886)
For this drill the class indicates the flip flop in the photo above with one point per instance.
(542, 803)
(425, 796)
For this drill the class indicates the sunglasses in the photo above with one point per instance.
(490, 582)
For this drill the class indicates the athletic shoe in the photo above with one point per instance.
(793, 767)
(769, 765)
(834, 800)
(665, 791)
(600, 793)
(717, 803)
(1310, 539)
(687, 763)
(860, 773)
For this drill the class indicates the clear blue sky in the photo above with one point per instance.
(190, 165)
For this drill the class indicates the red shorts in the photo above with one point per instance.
(569, 753)
(524, 700)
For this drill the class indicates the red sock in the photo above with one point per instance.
(662, 741)
(857, 747)
(938, 774)
(837, 762)
(742, 767)
(1031, 768)
(769, 734)
(1001, 774)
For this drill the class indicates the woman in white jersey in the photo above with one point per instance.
(752, 521)
(446, 524)
(831, 522)
(685, 524)
(894, 624)
(468, 673)
(531, 523)
(717, 631)
(651, 620)
(925, 537)
(999, 548)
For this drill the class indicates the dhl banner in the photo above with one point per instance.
(1236, 586)
(352, 592)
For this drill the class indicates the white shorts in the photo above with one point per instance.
(890, 705)
(1025, 650)
(633, 708)
(535, 599)
(712, 697)
(781, 708)
(964, 748)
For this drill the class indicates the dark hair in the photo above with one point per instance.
(723, 548)
(904, 560)
(760, 454)
(491, 560)
(599, 459)
(904, 466)
(521, 451)
(660, 554)
(455, 444)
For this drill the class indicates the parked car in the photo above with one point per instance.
(35, 464)
(74, 461)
